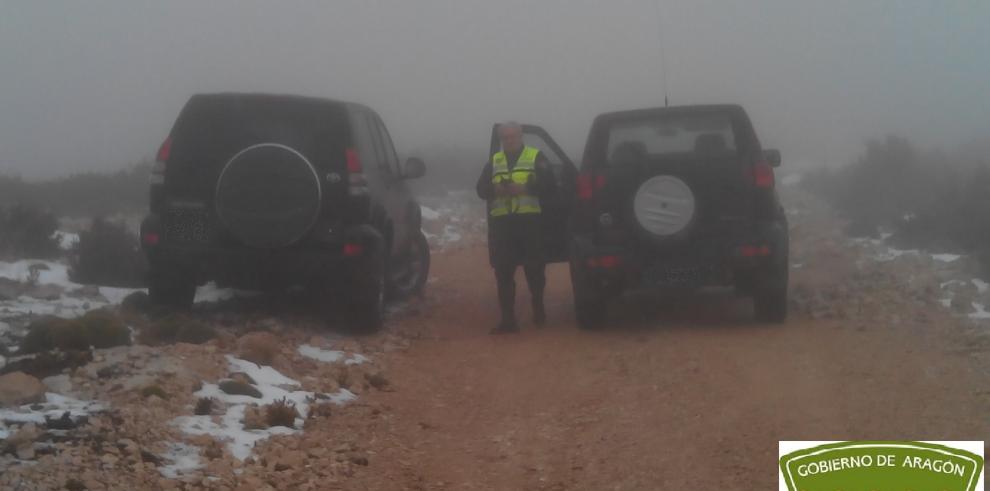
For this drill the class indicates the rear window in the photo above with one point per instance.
(704, 135)
(211, 129)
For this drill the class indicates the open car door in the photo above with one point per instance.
(556, 215)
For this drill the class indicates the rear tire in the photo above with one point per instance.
(770, 287)
(368, 300)
(410, 277)
(770, 305)
(170, 291)
(590, 306)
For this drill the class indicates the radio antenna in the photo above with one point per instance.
(663, 57)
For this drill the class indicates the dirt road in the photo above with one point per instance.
(681, 394)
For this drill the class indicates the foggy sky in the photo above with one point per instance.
(96, 85)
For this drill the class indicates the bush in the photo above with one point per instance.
(930, 200)
(109, 255)
(27, 232)
(97, 329)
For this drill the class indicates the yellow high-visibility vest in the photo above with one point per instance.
(520, 174)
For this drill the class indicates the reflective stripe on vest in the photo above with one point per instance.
(520, 174)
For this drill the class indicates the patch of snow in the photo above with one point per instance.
(331, 356)
(210, 292)
(65, 239)
(273, 386)
(981, 286)
(890, 254)
(885, 235)
(946, 258)
(797, 265)
(54, 407)
(948, 283)
(450, 234)
(183, 459)
(429, 213)
(908, 217)
(946, 302)
(326, 356)
(981, 312)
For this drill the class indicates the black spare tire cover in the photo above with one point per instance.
(268, 195)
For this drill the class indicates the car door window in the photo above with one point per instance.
(375, 139)
(537, 142)
(389, 149)
(365, 139)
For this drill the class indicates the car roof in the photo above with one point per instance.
(272, 97)
(672, 110)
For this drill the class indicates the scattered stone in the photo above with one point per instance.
(75, 485)
(154, 391)
(65, 422)
(234, 387)
(176, 328)
(377, 380)
(18, 389)
(44, 292)
(60, 384)
(243, 378)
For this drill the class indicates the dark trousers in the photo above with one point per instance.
(517, 241)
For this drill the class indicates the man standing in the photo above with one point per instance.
(514, 182)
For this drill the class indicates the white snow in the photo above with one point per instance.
(946, 258)
(210, 292)
(183, 459)
(981, 312)
(273, 386)
(55, 406)
(981, 286)
(330, 356)
(946, 302)
(65, 239)
(890, 254)
(326, 356)
(429, 213)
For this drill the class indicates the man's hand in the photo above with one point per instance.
(509, 189)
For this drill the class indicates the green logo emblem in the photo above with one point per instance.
(881, 466)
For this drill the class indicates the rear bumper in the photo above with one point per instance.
(613, 268)
(248, 267)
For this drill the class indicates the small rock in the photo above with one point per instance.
(45, 292)
(18, 389)
(60, 384)
(234, 387)
(243, 378)
(377, 380)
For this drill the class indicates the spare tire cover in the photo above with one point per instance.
(268, 195)
(664, 205)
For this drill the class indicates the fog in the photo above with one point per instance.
(96, 85)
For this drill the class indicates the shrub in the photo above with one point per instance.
(109, 255)
(27, 232)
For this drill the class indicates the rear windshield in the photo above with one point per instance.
(703, 135)
(211, 129)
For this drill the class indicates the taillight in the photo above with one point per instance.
(588, 185)
(353, 250)
(762, 174)
(161, 160)
(606, 262)
(358, 183)
(754, 251)
(150, 238)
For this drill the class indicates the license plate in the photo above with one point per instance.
(680, 275)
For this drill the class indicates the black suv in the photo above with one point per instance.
(267, 192)
(674, 198)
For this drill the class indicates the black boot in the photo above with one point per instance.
(539, 314)
(508, 325)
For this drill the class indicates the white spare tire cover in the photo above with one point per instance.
(664, 205)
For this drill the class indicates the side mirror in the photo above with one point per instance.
(414, 168)
(772, 157)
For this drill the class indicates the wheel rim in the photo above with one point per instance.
(412, 272)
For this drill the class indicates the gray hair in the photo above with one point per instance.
(510, 125)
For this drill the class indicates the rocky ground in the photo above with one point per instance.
(680, 393)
